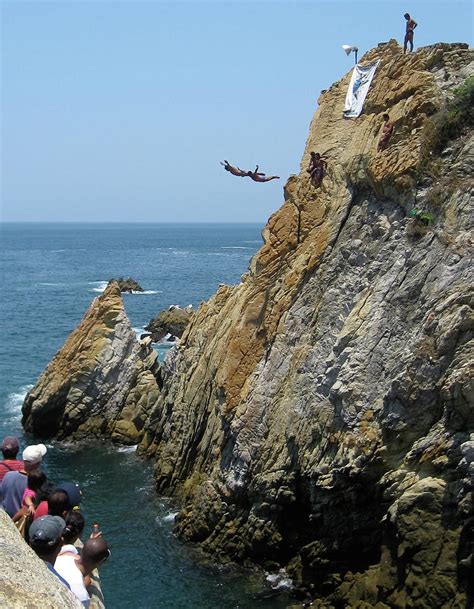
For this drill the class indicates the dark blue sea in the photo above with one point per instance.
(49, 275)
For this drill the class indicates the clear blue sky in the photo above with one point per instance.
(121, 111)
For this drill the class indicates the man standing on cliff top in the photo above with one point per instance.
(411, 25)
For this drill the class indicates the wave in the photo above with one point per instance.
(127, 449)
(169, 517)
(235, 247)
(144, 293)
(15, 400)
(280, 580)
(101, 285)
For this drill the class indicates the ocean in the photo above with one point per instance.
(49, 275)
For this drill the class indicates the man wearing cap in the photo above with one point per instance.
(14, 483)
(46, 539)
(10, 463)
(76, 568)
(66, 496)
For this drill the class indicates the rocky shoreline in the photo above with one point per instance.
(319, 416)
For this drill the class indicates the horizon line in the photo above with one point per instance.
(132, 222)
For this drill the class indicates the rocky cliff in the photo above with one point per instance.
(25, 582)
(102, 381)
(319, 415)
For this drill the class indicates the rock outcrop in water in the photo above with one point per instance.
(172, 321)
(102, 381)
(319, 416)
(128, 285)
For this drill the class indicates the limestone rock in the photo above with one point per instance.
(100, 382)
(314, 414)
(172, 321)
(24, 579)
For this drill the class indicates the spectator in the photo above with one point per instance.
(76, 569)
(46, 540)
(10, 463)
(14, 483)
(74, 528)
(35, 487)
(65, 497)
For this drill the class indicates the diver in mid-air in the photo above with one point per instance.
(235, 171)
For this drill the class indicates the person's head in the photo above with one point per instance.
(33, 455)
(385, 117)
(45, 536)
(73, 493)
(317, 155)
(74, 526)
(58, 503)
(407, 16)
(94, 552)
(10, 447)
(36, 480)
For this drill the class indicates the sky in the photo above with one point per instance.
(120, 111)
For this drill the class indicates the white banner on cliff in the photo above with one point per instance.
(358, 88)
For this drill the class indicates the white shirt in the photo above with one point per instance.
(66, 566)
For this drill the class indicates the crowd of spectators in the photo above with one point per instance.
(48, 517)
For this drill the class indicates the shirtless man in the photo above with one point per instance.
(316, 168)
(387, 131)
(258, 176)
(411, 25)
(235, 171)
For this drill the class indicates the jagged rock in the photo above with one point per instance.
(128, 285)
(24, 579)
(314, 414)
(102, 381)
(171, 321)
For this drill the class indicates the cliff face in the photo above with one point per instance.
(102, 381)
(320, 414)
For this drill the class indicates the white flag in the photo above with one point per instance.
(358, 88)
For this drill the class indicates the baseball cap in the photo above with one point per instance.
(73, 492)
(10, 443)
(34, 453)
(46, 531)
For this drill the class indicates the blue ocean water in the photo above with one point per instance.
(49, 275)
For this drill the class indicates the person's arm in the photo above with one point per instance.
(21, 512)
(413, 24)
(28, 501)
